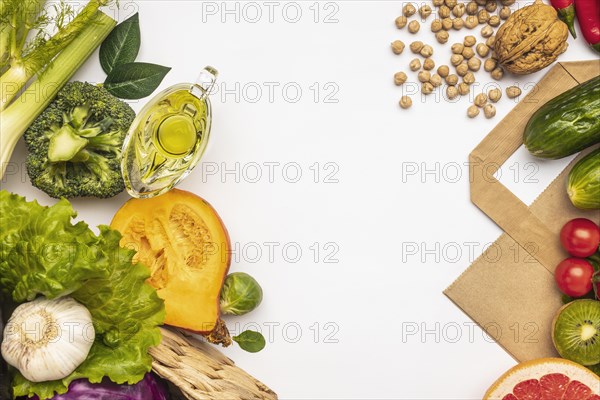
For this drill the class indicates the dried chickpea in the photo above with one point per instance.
(425, 11)
(489, 111)
(436, 25)
(497, 73)
(443, 71)
(494, 95)
(491, 6)
(483, 16)
(438, 3)
(480, 100)
(456, 59)
(513, 91)
(468, 53)
(482, 50)
(424, 76)
(397, 46)
(444, 11)
(462, 69)
(481, 2)
(474, 64)
(447, 23)
(409, 10)
(442, 37)
(414, 26)
(428, 64)
(451, 92)
(401, 22)
(405, 102)
(463, 89)
(458, 23)
(504, 12)
(415, 64)
(436, 80)
(472, 111)
(416, 46)
(452, 79)
(469, 41)
(426, 51)
(490, 42)
(469, 78)
(400, 78)
(458, 10)
(471, 21)
(507, 2)
(489, 65)
(427, 88)
(472, 8)
(457, 48)
(494, 21)
(487, 31)
(451, 3)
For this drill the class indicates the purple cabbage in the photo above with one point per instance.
(150, 388)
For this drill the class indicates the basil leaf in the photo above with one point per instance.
(134, 81)
(251, 341)
(122, 45)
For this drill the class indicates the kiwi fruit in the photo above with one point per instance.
(576, 331)
(595, 369)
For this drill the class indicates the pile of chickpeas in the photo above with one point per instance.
(467, 57)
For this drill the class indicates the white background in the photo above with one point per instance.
(375, 292)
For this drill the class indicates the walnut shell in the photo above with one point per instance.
(531, 39)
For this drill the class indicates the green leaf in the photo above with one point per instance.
(251, 341)
(43, 253)
(122, 45)
(135, 80)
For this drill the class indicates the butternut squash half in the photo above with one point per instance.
(182, 240)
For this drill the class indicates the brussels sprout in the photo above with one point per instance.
(240, 294)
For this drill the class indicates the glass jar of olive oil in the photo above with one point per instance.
(168, 137)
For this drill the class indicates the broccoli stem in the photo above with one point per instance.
(23, 69)
(17, 117)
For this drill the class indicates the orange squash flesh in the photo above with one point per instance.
(182, 240)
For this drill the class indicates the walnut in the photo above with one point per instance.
(531, 39)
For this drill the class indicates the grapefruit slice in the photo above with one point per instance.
(546, 379)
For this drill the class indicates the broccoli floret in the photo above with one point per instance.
(75, 144)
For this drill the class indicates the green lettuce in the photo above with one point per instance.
(43, 253)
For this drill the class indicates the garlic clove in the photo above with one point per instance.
(48, 339)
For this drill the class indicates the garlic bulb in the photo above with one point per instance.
(48, 339)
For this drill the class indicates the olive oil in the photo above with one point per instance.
(167, 139)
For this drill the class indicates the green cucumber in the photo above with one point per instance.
(583, 185)
(566, 124)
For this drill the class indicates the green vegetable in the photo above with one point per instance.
(43, 254)
(566, 124)
(583, 185)
(54, 59)
(122, 45)
(75, 144)
(240, 294)
(135, 80)
(251, 341)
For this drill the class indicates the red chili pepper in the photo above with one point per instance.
(588, 15)
(566, 12)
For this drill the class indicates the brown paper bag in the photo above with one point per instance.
(510, 291)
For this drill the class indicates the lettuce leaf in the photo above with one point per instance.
(43, 253)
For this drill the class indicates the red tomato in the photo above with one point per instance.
(574, 277)
(580, 237)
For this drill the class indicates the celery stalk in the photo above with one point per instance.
(17, 117)
(23, 69)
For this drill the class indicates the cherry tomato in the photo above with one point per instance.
(580, 237)
(574, 277)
